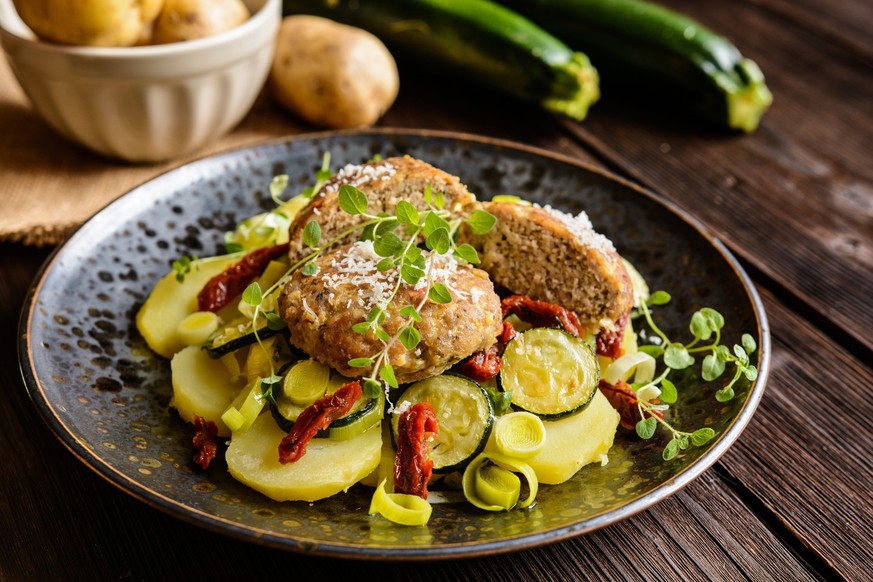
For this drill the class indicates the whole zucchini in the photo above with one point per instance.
(638, 42)
(483, 40)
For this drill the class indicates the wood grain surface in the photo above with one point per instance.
(791, 500)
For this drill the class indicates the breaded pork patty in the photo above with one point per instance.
(556, 257)
(385, 183)
(321, 309)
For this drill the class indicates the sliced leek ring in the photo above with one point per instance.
(641, 363)
(473, 474)
(399, 507)
(519, 434)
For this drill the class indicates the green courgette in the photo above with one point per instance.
(480, 39)
(661, 52)
(464, 415)
(549, 372)
(238, 334)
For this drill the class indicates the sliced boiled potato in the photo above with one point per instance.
(327, 468)
(202, 387)
(171, 301)
(575, 441)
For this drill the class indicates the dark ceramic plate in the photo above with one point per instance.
(106, 395)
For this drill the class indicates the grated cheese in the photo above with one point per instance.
(358, 175)
(581, 228)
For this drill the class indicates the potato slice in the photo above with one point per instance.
(327, 468)
(170, 302)
(575, 441)
(202, 387)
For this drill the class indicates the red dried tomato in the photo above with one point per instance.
(609, 341)
(541, 313)
(315, 417)
(204, 441)
(624, 400)
(230, 283)
(412, 466)
(482, 365)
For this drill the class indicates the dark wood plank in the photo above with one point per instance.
(846, 23)
(806, 454)
(795, 199)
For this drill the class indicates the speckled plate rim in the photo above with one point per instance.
(344, 550)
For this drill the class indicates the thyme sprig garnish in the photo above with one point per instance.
(705, 326)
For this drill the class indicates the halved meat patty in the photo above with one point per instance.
(552, 256)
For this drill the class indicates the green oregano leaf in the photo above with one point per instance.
(658, 298)
(385, 264)
(409, 337)
(428, 194)
(362, 327)
(646, 428)
(500, 401)
(383, 335)
(749, 343)
(671, 450)
(712, 367)
(360, 362)
(352, 200)
(702, 436)
(406, 213)
(411, 312)
(750, 372)
(252, 294)
(410, 273)
(654, 351)
(677, 357)
(725, 394)
(433, 221)
(700, 326)
(669, 394)
(376, 316)
(387, 374)
(388, 245)
(439, 241)
(232, 247)
(310, 269)
(439, 293)
(481, 222)
(274, 322)
(372, 388)
(439, 200)
(312, 234)
(467, 253)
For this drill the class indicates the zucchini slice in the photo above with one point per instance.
(239, 333)
(463, 412)
(364, 415)
(550, 372)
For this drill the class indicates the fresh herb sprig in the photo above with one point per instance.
(400, 253)
(705, 327)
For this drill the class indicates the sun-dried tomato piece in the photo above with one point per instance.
(541, 313)
(412, 465)
(609, 341)
(624, 400)
(507, 335)
(315, 417)
(482, 365)
(205, 447)
(230, 283)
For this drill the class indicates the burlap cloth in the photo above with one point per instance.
(49, 185)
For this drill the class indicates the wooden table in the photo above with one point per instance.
(791, 500)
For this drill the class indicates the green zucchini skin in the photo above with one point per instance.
(482, 40)
(647, 45)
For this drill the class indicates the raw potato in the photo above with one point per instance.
(90, 22)
(182, 20)
(327, 468)
(331, 74)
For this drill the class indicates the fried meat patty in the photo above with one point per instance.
(321, 309)
(385, 183)
(552, 256)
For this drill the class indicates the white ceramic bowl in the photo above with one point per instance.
(145, 103)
